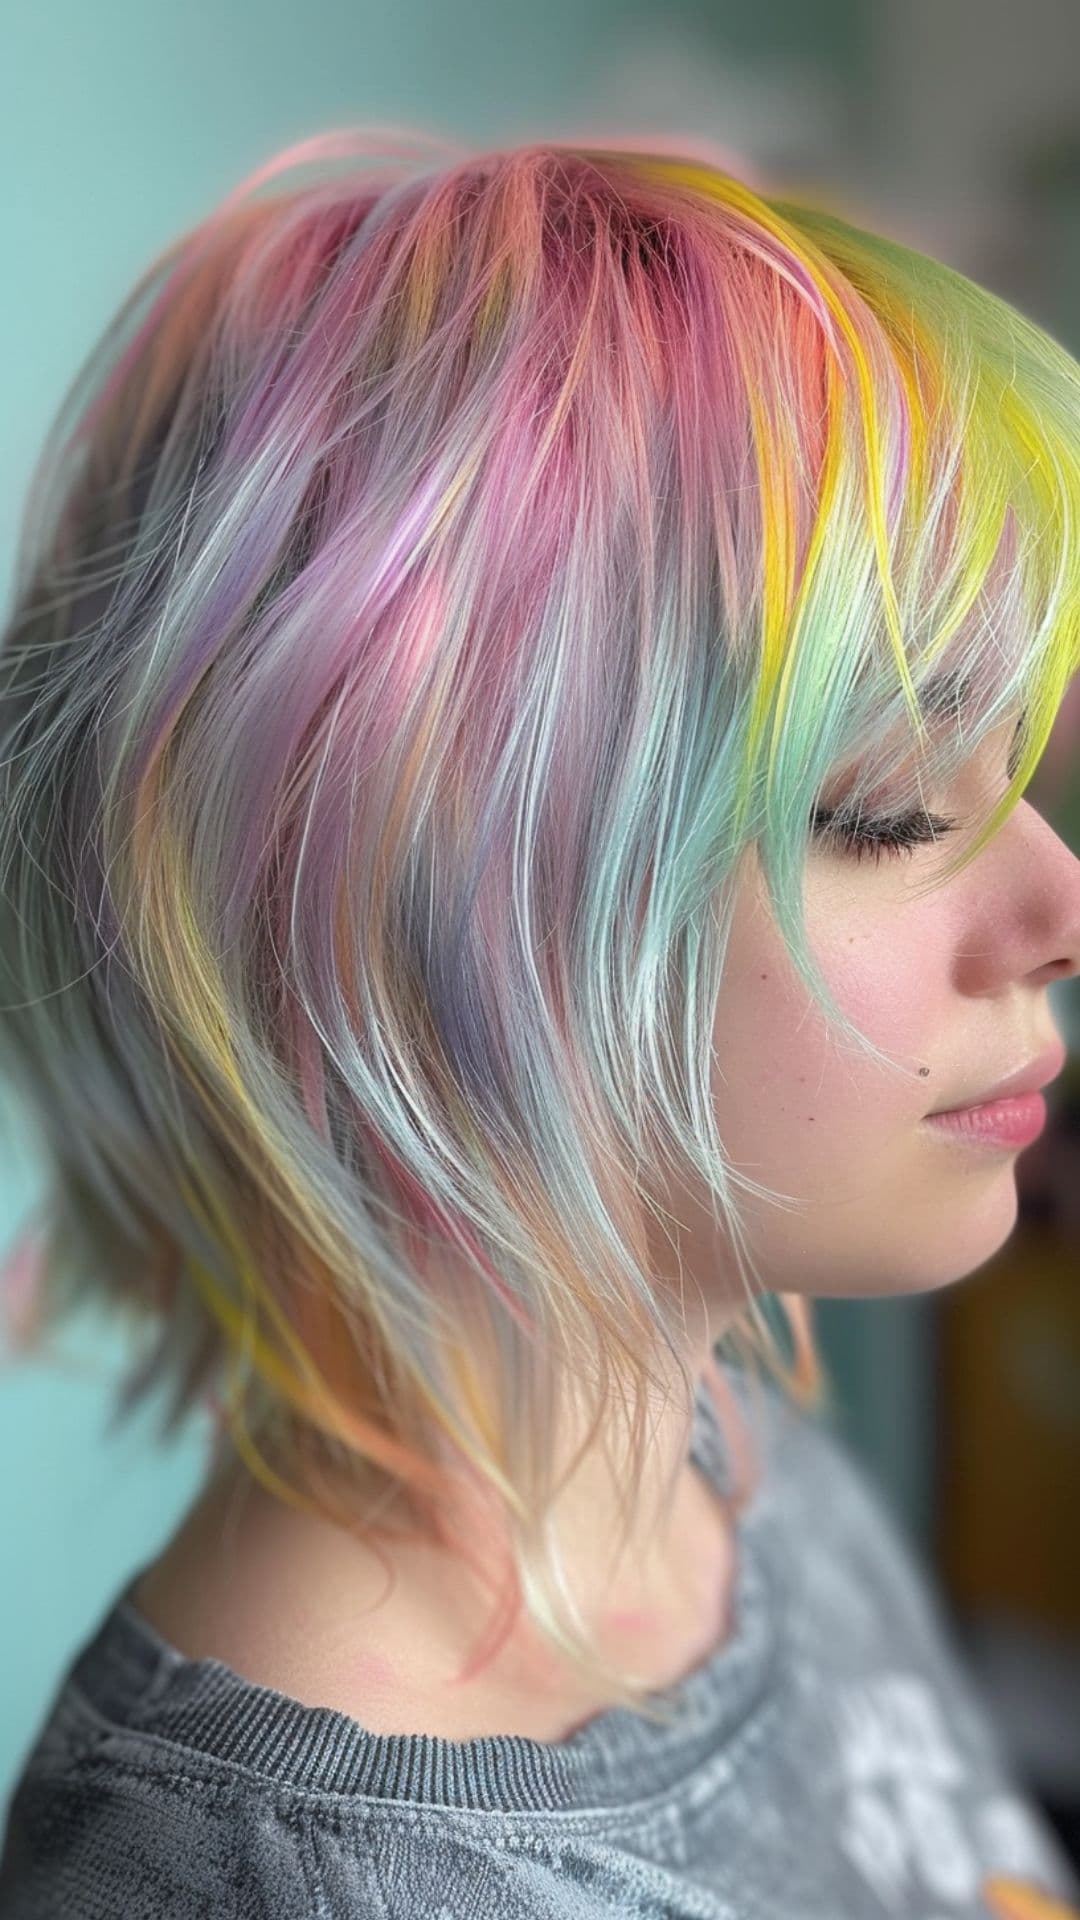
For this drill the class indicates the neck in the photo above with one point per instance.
(289, 1599)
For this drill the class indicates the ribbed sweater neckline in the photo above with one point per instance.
(140, 1683)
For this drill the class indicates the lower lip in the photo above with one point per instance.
(1000, 1123)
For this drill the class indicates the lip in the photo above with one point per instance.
(1028, 1079)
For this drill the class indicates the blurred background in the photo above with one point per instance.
(952, 124)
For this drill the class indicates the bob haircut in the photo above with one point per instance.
(443, 571)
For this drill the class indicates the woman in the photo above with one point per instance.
(525, 673)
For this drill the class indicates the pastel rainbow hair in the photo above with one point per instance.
(443, 571)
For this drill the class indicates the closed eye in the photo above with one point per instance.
(863, 834)
(872, 835)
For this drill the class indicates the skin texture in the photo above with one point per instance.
(955, 980)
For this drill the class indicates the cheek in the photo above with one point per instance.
(796, 1107)
(863, 1201)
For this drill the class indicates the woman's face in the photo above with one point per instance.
(954, 980)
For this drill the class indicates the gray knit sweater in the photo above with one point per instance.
(832, 1759)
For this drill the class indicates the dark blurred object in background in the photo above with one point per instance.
(1007, 1540)
(1006, 1505)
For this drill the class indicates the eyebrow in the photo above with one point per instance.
(948, 693)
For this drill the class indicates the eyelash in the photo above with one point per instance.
(860, 834)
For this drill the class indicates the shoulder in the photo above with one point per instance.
(156, 1836)
(130, 1825)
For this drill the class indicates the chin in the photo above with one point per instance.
(968, 1233)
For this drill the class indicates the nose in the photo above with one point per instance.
(1027, 910)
